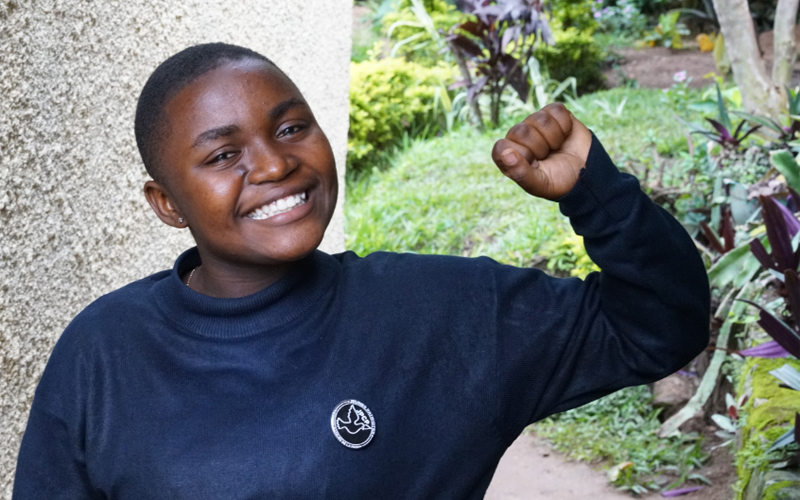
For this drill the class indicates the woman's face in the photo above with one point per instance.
(247, 166)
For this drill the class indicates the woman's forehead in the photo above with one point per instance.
(229, 91)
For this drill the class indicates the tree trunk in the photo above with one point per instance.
(759, 94)
(784, 42)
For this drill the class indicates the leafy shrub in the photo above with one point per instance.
(391, 99)
(575, 53)
(574, 14)
(403, 24)
(669, 31)
(621, 17)
(621, 427)
(567, 254)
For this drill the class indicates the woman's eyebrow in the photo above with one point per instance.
(214, 134)
(285, 106)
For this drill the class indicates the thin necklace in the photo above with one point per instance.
(190, 276)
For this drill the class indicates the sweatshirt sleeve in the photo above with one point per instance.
(48, 465)
(562, 343)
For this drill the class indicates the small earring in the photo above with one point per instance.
(180, 219)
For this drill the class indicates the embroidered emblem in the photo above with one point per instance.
(353, 424)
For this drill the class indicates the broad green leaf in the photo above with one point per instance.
(786, 164)
(723, 111)
(788, 375)
(736, 267)
(786, 438)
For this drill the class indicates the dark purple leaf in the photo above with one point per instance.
(680, 491)
(466, 45)
(778, 330)
(726, 230)
(519, 82)
(487, 13)
(546, 34)
(793, 200)
(769, 349)
(761, 255)
(778, 234)
(792, 224)
(473, 28)
(735, 138)
(723, 132)
(713, 241)
(796, 427)
(792, 286)
(512, 10)
(749, 131)
(475, 88)
(457, 85)
(511, 34)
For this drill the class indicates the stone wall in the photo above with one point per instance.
(73, 221)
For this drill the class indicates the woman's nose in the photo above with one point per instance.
(269, 164)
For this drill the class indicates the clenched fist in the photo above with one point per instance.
(545, 153)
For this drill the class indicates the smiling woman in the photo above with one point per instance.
(243, 145)
(259, 367)
(73, 222)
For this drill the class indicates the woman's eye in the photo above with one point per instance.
(227, 155)
(290, 130)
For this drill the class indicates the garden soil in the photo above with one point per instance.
(655, 67)
(530, 470)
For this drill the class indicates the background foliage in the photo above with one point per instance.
(392, 99)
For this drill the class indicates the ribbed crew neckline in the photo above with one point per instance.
(277, 305)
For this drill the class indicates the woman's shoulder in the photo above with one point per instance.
(415, 268)
(131, 296)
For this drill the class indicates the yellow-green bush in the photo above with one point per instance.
(573, 14)
(389, 99)
(766, 415)
(568, 254)
(575, 53)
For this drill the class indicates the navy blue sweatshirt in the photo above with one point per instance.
(389, 376)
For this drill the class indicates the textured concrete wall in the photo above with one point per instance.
(73, 221)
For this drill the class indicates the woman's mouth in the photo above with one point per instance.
(278, 207)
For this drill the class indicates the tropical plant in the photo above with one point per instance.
(416, 27)
(781, 132)
(498, 40)
(783, 261)
(543, 91)
(725, 134)
(668, 32)
(791, 380)
(621, 17)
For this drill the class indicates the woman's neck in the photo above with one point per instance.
(231, 280)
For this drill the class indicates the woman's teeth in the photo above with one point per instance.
(278, 207)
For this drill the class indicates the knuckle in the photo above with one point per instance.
(544, 120)
(520, 131)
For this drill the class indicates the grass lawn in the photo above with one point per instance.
(445, 195)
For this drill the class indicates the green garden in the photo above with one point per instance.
(435, 84)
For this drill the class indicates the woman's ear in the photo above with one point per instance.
(159, 201)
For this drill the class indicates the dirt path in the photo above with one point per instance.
(655, 67)
(531, 471)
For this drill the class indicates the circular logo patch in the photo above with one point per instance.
(353, 424)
